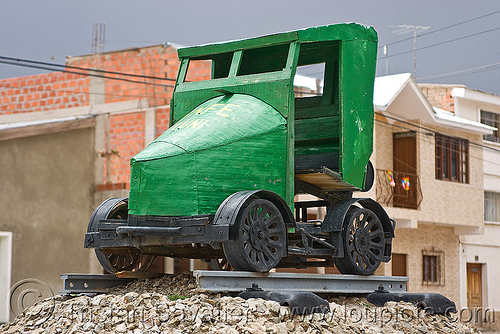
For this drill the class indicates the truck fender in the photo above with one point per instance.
(335, 216)
(228, 211)
(336, 213)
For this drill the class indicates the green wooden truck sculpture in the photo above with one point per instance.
(220, 183)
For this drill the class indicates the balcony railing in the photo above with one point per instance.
(398, 189)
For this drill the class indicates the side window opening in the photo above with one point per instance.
(198, 70)
(319, 60)
(264, 60)
(317, 120)
(309, 81)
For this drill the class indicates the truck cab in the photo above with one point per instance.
(220, 183)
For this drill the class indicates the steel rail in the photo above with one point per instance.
(237, 281)
(234, 281)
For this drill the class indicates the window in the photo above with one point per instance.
(432, 267)
(491, 206)
(452, 159)
(491, 119)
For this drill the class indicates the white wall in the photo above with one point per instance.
(5, 273)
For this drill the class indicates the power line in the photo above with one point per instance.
(20, 60)
(441, 43)
(444, 28)
(435, 132)
(479, 68)
(84, 74)
(67, 92)
(389, 125)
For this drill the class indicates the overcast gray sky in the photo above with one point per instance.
(51, 30)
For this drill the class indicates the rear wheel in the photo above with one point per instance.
(363, 241)
(131, 259)
(258, 237)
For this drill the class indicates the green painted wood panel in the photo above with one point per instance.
(317, 128)
(227, 144)
(357, 75)
(197, 183)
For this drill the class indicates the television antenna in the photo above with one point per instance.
(403, 29)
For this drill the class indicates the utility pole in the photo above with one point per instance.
(386, 52)
(403, 29)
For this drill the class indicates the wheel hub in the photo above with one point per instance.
(259, 235)
(361, 241)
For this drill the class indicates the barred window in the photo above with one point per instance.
(491, 119)
(491, 206)
(452, 159)
(432, 267)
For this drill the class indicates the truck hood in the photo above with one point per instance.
(219, 121)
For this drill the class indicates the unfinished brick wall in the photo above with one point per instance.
(127, 131)
(440, 95)
(126, 138)
(157, 61)
(43, 92)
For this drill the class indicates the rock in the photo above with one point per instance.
(146, 307)
(121, 328)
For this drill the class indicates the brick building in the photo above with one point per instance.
(66, 141)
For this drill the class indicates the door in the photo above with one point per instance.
(474, 285)
(399, 265)
(405, 168)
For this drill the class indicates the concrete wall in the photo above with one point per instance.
(47, 185)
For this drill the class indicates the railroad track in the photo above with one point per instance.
(237, 281)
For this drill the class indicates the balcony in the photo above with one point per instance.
(398, 189)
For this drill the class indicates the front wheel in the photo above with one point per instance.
(258, 237)
(131, 259)
(363, 241)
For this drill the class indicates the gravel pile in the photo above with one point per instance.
(171, 305)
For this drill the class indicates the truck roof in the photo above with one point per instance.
(333, 32)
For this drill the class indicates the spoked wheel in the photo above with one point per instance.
(131, 259)
(258, 237)
(220, 264)
(363, 240)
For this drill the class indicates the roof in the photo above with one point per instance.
(400, 95)
(449, 116)
(45, 126)
(387, 88)
(333, 32)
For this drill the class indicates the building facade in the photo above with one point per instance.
(429, 177)
(479, 254)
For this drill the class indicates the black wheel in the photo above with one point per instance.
(363, 240)
(258, 237)
(220, 264)
(131, 259)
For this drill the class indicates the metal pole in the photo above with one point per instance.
(386, 52)
(404, 28)
(415, 52)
